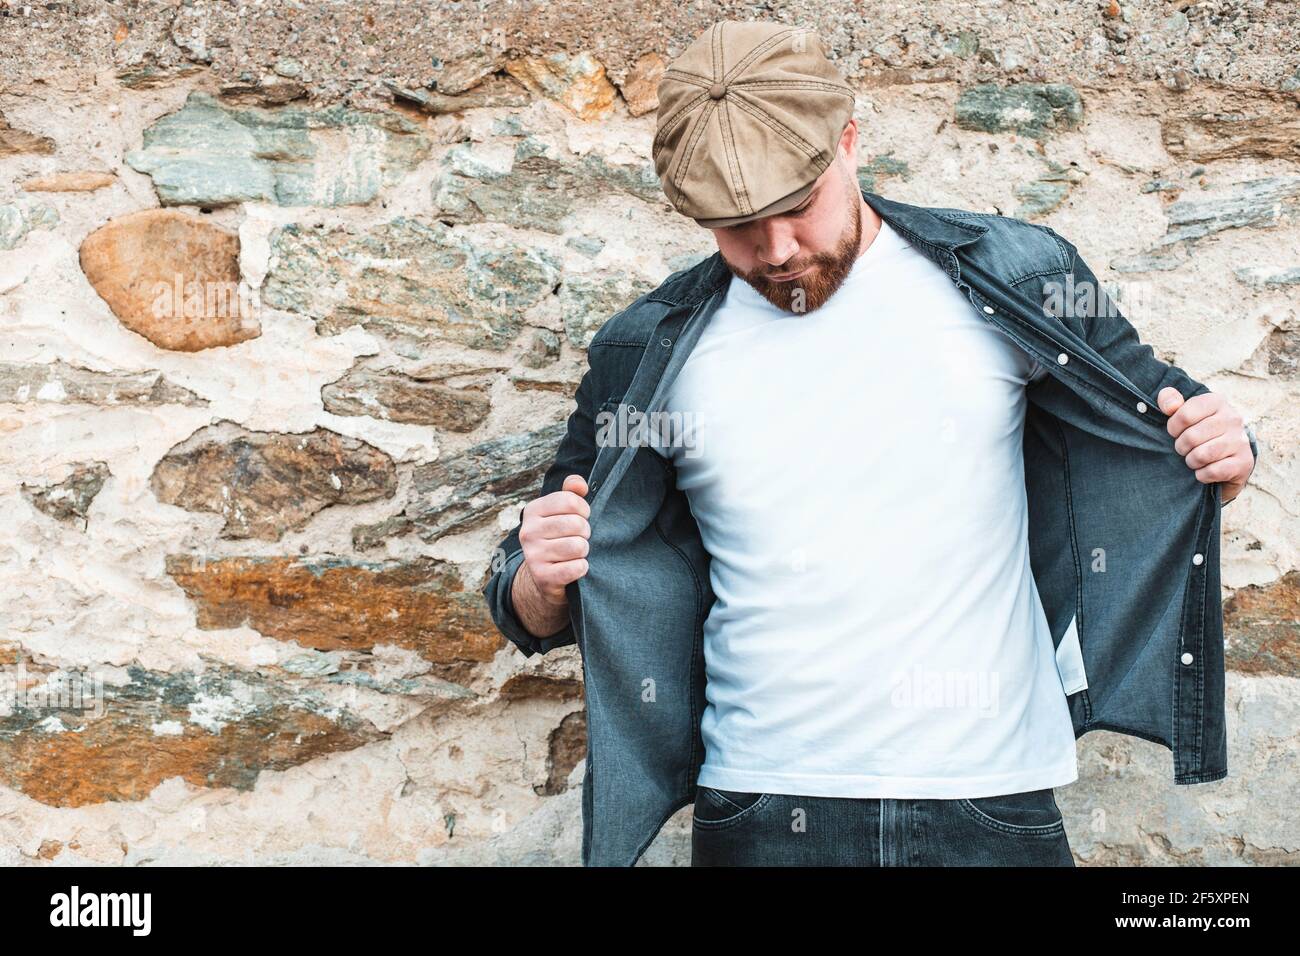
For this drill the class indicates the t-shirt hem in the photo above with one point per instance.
(894, 788)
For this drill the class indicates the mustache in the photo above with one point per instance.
(817, 261)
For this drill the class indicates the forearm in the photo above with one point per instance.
(539, 615)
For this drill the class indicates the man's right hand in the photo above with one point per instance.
(553, 536)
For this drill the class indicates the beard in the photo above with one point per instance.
(826, 272)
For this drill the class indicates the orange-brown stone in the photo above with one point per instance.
(1262, 626)
(568, 745)
(84, 182)
(641, 88)
(337, 604)
(172, 278)
(577, 82)
(540, 687)
(217, 729)
(15, 141)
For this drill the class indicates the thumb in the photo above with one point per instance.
(1169, 400)
(577, 484)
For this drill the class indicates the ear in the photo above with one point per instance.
(849, 143)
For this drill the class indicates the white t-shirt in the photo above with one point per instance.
(857, 475)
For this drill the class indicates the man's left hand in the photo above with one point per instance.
(1211, 436)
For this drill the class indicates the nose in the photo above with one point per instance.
(775, 243)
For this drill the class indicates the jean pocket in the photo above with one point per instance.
(1029, 812)
(715, 809)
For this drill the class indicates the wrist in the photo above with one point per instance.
(535, 589)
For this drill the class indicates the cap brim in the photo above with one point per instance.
(784, 204)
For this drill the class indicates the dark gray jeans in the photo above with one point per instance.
(778, 829)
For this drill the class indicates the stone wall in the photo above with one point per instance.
(249, 509)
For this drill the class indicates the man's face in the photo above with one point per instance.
(797, 259)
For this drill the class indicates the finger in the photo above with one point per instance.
(1169, 400)
(1205, 430)
(577, 484)
(561, 503)
(545, 551)
(559, 574)
(1208, 452)
(1195, 409)
(549, 527)
(1225, 469)
(567, 571)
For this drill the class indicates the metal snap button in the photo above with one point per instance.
(1198, 558)
(988, 309)
(1062, 358)
(1187, 658)
(1142, 408)
(665, 342)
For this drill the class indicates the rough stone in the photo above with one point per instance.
(1258, 204)
(589, 246)
(543, 349)
(560, 386)
(429, 689)
(263, 94)
(687, 260)
(79, 182)
(397, 397)
(69, 500)
(1033, 109)
(172, 278)
(16, 221)
(24, 383)
(503, 93)
(207, 154)
(1161, 186)
(1157, 259)
(15, 141)
(641, 88)
(1249, 44)
(588, 302)
(1282, 348)
(407, 279)
(1261, 277)
(456, 494)
(1048, 191)
(1230, 124)
(566, 749)
(879, 168)
(465, 66)
(96, 742)
(150, 75)
(288, 67)
(266, 483)
(336, 603)
(1262, 625)
(540, 687)
(538, 191)
(575, 81)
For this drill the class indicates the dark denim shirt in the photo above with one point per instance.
(1124, 540)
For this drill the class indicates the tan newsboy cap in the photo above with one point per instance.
(749, 116)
